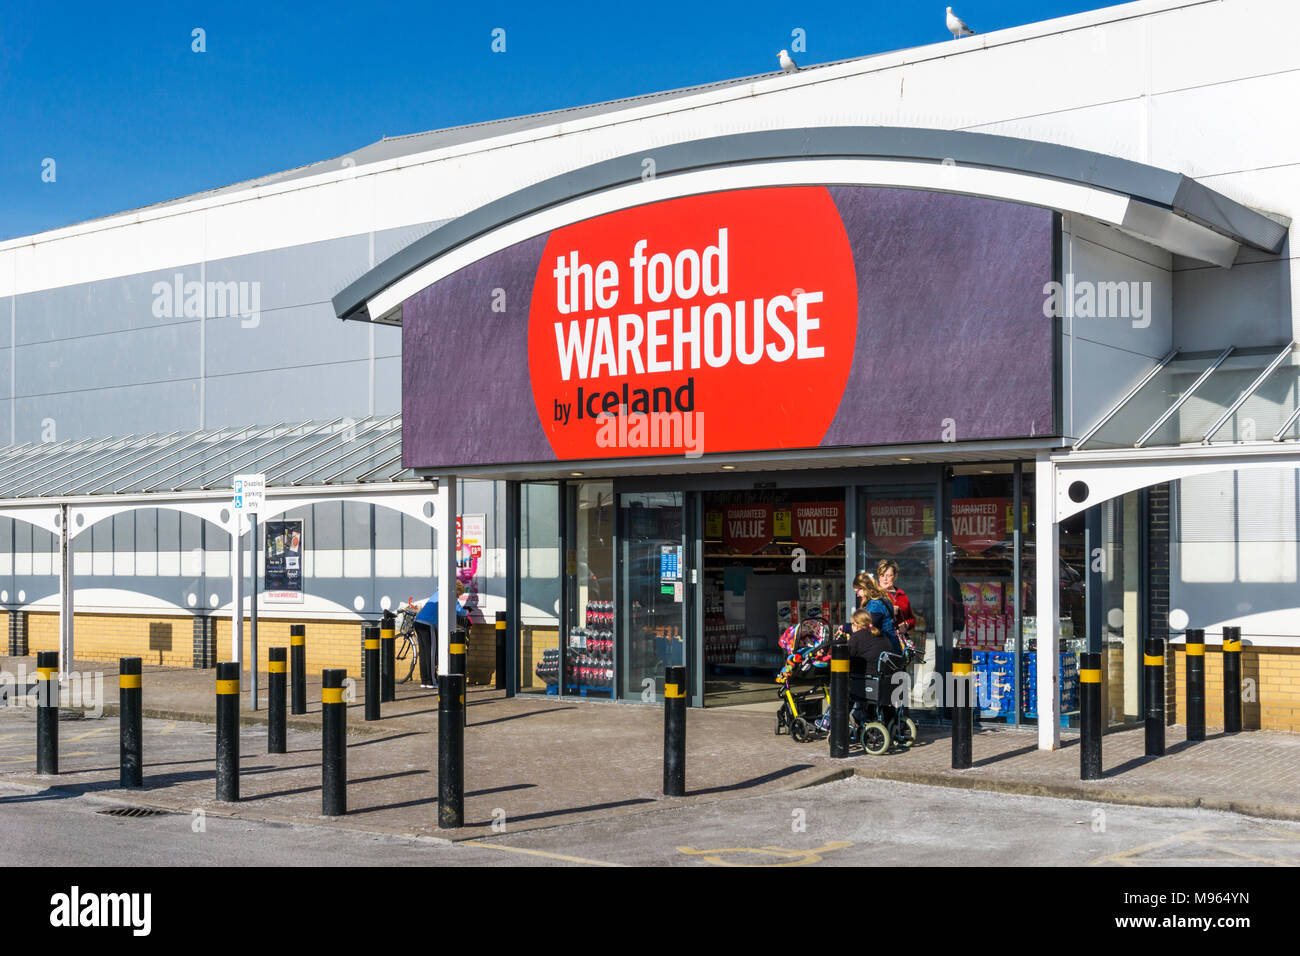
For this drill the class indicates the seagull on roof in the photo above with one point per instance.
(787, 65)
(957, 26)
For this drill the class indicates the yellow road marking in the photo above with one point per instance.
(1201, 839)
(23, 758)
(97, 732)
(543, 853)
(789, 856)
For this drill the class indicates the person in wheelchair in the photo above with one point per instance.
(872, 654)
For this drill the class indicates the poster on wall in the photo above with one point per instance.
(896, 524)
(746, 528)
(819, 525)
(470, 538)
(979, 523)
(283, 581)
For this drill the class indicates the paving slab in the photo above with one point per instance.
(535, 762)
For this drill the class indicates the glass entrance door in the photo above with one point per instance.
(653, 592)
(900, 544)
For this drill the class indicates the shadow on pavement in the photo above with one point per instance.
(753, 781)
(531, 713)
(570, 810)
(297, 790)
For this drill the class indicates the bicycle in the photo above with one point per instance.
(409, 644)
(408, 647)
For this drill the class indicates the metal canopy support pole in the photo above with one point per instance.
(252, 612)
(66, 589)
(237, 591)
(1047, 540)
(513, 602)
(445, 572)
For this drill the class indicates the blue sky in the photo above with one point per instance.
(131, 115)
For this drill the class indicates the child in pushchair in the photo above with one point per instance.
(804, 680)
(874, 666)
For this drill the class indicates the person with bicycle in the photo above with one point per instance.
(426, 623)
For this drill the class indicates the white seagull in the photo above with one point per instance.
(787, 64)
(957, 26)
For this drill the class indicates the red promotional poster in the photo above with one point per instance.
(706, 323)
(746, 528)
(978, 523)
(819, 525)
(894, 525)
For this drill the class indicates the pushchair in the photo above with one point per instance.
(805, 679)
(874, 721)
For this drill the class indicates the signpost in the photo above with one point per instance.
(249, 496)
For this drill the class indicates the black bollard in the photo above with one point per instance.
(840, 698)
(47, 712)
(451, 751)
(1154, 664)
(371, 633)
(456, 652)
(1232, 680)
(501, 651)
(333, 743)
(228, 731)
(1090, 717)
(298, 667)
(130, 723)
(276, 733)
(1195, 662)
(387, 658)
(675, 731)
(962, 708)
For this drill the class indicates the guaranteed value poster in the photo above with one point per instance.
(283, 582)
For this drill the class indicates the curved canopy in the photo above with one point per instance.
(1159, 206)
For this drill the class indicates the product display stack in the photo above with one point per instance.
(591, 652)
(721, 640)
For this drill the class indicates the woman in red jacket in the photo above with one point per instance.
(904, 619)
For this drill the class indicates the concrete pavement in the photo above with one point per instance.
(536, 762)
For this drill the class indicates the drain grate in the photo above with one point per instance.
(131, 812)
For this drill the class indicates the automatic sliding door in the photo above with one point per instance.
(652, 592)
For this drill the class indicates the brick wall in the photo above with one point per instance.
(1275, 672)
(160, 641)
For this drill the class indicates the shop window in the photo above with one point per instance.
(1207, 528)
(22, 548)
(124, 543)
(6, 545)
(1266, 550)
(417, 549)
(146, 542)
(45, 551)
(327, 539)
(216, 546)
(169, 543)
(356, 539)
(388, 543)
(589, 657)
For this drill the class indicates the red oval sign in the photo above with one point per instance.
(721, 322)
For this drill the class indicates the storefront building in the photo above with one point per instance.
(684, 365)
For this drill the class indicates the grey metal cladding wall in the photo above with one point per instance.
(120, 410)
(141, 301)
(295, 393)
(166, 353)
(6, 304)
(294, 336)
(120, 355)
(295, 275)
